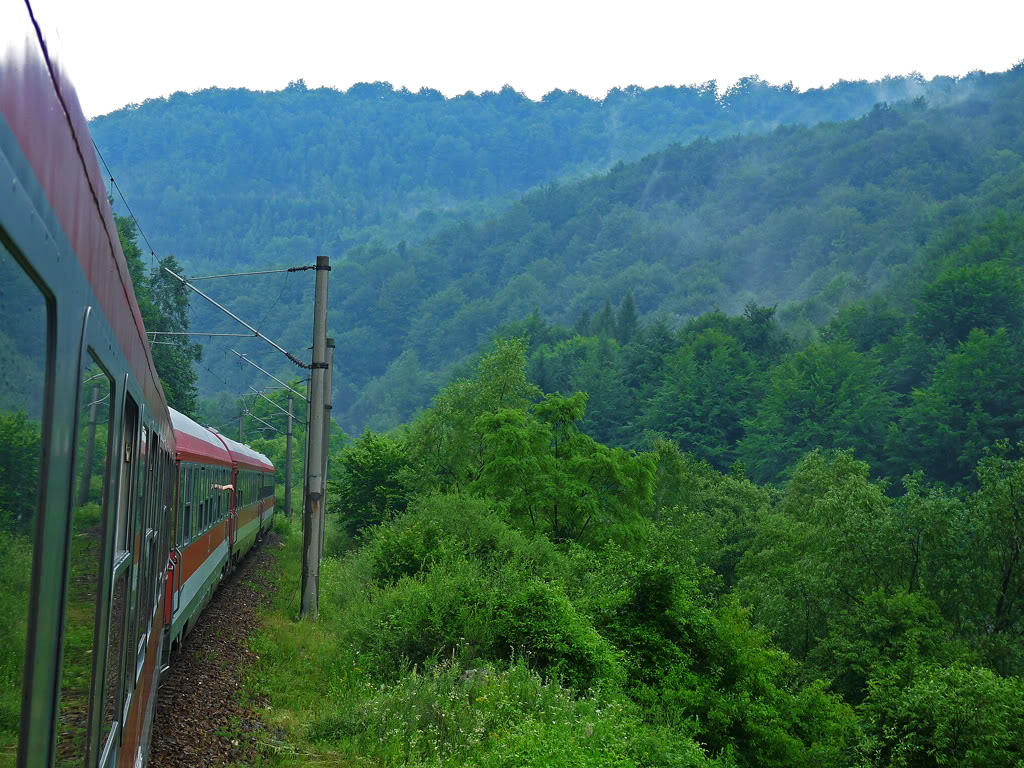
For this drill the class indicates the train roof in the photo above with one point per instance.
(40, 107)
(196, 443)
(244, 455)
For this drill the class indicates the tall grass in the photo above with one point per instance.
(333, 697)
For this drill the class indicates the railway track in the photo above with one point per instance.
(202, 718)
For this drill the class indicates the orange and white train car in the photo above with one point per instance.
(253, 503)
(223, 503)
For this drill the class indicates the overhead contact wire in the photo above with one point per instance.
(120, 194)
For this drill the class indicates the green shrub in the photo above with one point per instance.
(404, 546)
(462, 610)
(877, 631)
(957, 716)
(493, 717)
(537, 619)
(451, 580)
(15, 575)
(743, 698)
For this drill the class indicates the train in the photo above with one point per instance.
(119, 516)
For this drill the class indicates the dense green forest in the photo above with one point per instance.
(236, 179)
(809, 219)
(713, 458)
(298, 173)
(504, 590)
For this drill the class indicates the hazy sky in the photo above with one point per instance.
(123, 51)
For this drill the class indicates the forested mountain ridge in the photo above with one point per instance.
(813, 216)
(722, 463)
(810, 217)
(301, 171)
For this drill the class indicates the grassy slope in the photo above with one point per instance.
(328, 709)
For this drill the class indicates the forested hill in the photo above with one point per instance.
(229, 177)
(810, 217)
(815, 216)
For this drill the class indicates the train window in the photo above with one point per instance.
(201, 505)
(136, 620)
(193, 481)
(186, 483)
(23, 349)
(147, 592)
(138, 527)
(91, 456)
(141, 486)
(181, 506)
(114, 694)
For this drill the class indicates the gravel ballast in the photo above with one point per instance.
(201, 719)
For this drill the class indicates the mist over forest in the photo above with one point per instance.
(792, 205)
(679, 428)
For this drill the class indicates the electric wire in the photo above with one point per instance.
(138, 226)
(85, 170)
(276, 302)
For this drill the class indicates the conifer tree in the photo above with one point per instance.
(604, 323)
(582, 326)
(626, 322)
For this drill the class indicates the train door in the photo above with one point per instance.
(118, 683)
(176, 539)
(233, 512)
(82, 703)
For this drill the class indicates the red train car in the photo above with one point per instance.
(200, 547)
(224, 502)
(86, 442)
(118, 517)
(253, 502)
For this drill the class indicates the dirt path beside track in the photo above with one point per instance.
(200, 718)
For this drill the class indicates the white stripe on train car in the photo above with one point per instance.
(196, 581)
(249, 529)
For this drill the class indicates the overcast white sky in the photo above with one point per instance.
(123, 51)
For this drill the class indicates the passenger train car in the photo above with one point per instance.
(225, 501)
(118, 516)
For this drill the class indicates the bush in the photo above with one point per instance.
(15, 576)
(371, 486)
(450, 580)
(496, 717)
(958, 715)
(877, 631)
(408, 544)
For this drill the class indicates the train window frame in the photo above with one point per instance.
(179, 523)
(30, 684)
(148, 598)
(197, 503)
(139, 554)
(83, 473)
(130, 419)
(186, 524)
(202, 500)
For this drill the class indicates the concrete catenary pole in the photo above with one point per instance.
(288, 464)
(83, 487)
(241, 426)
(305, 455)
(328, 377)
(312, 529)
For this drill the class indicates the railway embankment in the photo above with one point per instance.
(206, 713)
